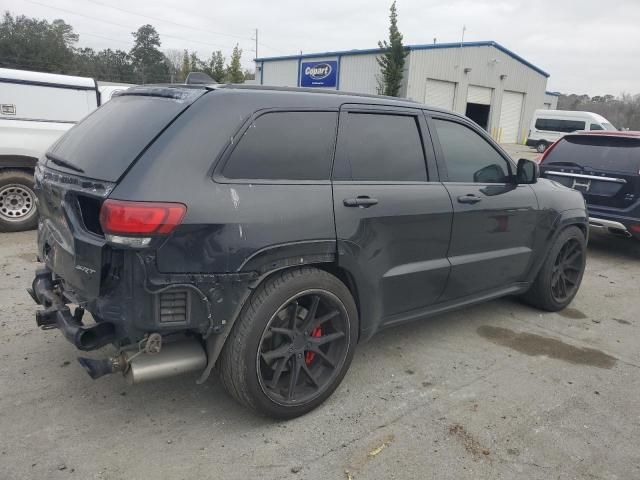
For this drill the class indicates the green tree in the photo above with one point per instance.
(148, 60)
(391, 60)
(186, 64)
(215, 69)
(32, 44)
(234, 70)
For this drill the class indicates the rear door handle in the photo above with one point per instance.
(361, 201)
(470, 198)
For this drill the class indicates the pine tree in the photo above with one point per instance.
(391, 61)
(234, 70)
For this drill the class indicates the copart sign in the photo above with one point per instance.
(319, 74)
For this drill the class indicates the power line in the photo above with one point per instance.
(190, 27)
(125, 26)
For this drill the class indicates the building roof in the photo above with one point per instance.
(553, 94)
(429, 46)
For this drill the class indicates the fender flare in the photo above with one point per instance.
(22, 162)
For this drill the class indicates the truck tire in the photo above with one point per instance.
(559, 278)
(292, 344)
(18, 210)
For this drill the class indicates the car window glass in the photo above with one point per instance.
(557, 125)
(597, 152)
(468, 156)
(379, 147)
(285, 146)
(595, 126)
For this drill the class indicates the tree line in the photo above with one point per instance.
(622, 111)
(32, 44)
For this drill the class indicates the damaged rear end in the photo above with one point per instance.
(99, 247)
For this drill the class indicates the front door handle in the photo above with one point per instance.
(470, 199)
(362, 201)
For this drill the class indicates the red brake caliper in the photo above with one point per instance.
(309, 356)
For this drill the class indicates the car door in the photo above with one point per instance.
(494, 219)
(393, 217)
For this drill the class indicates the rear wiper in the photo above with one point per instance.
(568, 164)
(63, 163)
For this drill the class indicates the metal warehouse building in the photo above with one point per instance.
(489, 83)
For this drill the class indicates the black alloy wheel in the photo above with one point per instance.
(567, 271)
(303, 348)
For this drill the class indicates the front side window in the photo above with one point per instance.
(469, 157)
(285, 146)
(379, 147)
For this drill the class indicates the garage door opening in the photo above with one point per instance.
(479, 113)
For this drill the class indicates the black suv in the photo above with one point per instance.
(265, 232)
(605, 167)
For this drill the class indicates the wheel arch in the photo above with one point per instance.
(18, 162)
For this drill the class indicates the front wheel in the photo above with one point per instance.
(292, 344)
(559, 278)
(17, 201)
(541, 147)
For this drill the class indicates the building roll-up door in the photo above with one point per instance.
(479, 95)
(510, 115)
(440, 94)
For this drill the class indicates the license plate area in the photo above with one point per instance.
(581, 184)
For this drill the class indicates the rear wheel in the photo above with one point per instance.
(559, 278)
(17, 201)
(292, 344)
(541, 147)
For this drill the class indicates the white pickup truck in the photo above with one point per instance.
(35, 110)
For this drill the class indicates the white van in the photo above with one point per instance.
(35, 110)
(547, 126)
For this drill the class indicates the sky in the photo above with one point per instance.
(587, 46)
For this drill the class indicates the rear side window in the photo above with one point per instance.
(285, 146)
(595, 126)
(105, 143)
(379, 147)
(610, 154)
(469, 157)
(557, 125)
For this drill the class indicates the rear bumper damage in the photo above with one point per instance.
(148, 349)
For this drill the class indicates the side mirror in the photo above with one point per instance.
(528, 171)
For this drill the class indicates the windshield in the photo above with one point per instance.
(603, 153)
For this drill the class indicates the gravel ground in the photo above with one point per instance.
(494, 391)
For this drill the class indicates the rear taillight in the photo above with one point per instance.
(635, 228)
(119, 217)
(548, 151)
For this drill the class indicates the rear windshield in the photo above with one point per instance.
(104, 144)
(598, 153)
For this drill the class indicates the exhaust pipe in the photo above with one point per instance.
(174, 359)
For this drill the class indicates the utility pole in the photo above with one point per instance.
(256, 39)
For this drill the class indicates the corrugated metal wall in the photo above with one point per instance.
(550, 102)
(359, 73)
(283, 73)
(487, 65)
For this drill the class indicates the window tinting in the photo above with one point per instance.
(379, 147)
(468, 156)
(595, 126)
(106, 142)
(600, 153)
(557, 125)
(285, 146)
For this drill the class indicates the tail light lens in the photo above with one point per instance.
(118, 217)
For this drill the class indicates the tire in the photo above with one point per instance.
(543, 294)
(243, 363)
(541, 147)
(17, 201)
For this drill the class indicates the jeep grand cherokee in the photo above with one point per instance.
(265, 232)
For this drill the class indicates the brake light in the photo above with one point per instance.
(635, 228)
(548, 151)
(140, 218)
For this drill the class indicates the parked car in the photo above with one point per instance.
(605, 167)
(35, 110)
(266, 231)
(547, 126)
